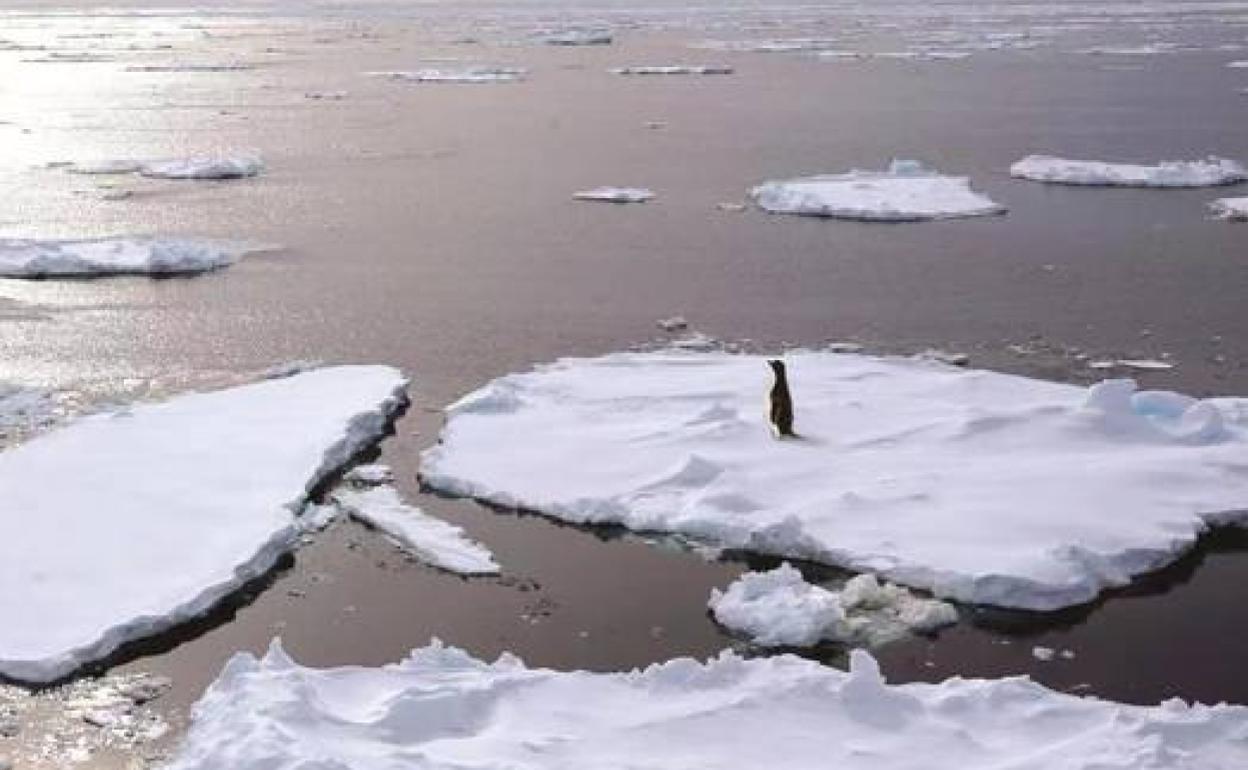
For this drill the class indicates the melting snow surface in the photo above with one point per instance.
(1180, 173)
(20, 258)
(906, 192)
(441, 709)
(977, 486)
(121, 525)
(780, 609)
(616, 194)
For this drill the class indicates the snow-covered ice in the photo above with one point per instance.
(121, 525)
(1230, 208)
(1210, 172)
(456, 75)
(906, 192)
(674, 69)
(22, 258)
(616, 194)
(779, 608)
(205, 167)
(978, 486)
(441, 709)
(369, 497)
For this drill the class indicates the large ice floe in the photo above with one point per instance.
(906, 192)
(779, 608)
(1230, 208)
(441, 709)
(1210, 172)
(369, 497)
(219, 166)
(121, 525)
(978, 486)
(474, 74)
(23, 258)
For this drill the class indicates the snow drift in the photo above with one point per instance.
(440, 709)
(977, 486)
(121, 525)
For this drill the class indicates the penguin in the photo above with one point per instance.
(780, 402)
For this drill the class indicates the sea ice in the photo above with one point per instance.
(205, 167)
(441, 709)
(1231, 208)
(616, 194)
(780, 609)
(1210, 172)
(21, 258)
(977, 486)
(578, 37)
(368, 497)
(462, 75)
(674, 69)
(907, 192)
(122, 525)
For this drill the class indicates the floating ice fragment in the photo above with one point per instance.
(674, 69)
(578, 37)
(907, 192)
(616, 194)
(676, 323)
(205, 167)
(1231, 208)
(977, 486)
(453, 711)
(20, 258)
(1212, 171)
(462, 75)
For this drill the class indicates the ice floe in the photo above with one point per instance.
(616, 194)
(441, 709)
(674, 69)
(204, 167)
(455, 75)
(22, 258)
(977, 486)
(780, 609)
(121, 525)
(1230, 208)
(105, 167)
(368, 497)
(578, 37)
(1212, 171)
(906, 192)
(192, 67)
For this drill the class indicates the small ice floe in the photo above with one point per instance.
(205, 167)
(326, 96)
(20, 258)
(456, 75)
(731, 713)
(192, 67)
(676, 323)
(1211, 172)
(1043, 653)
(780, 609)
(70, 57)
(967, 483)
(675, 69)
(172, 506)
(773, 45)
(368, 497)
(1145, 364)
(945, 357)
(906, 192)
(616, 194)
(1230, 208)
(105, 167)
(1238, 65)
(578, 37)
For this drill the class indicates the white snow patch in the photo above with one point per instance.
(121, 525)
(674, 69)
(616, 194)
(906, 192)
(459, 75)
(977, 486)
(780, 609)
(21, 258)
(1231, 208)
(1212, 171)
(431, 540)
(441, 709)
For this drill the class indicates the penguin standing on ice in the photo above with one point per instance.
(780, 402)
